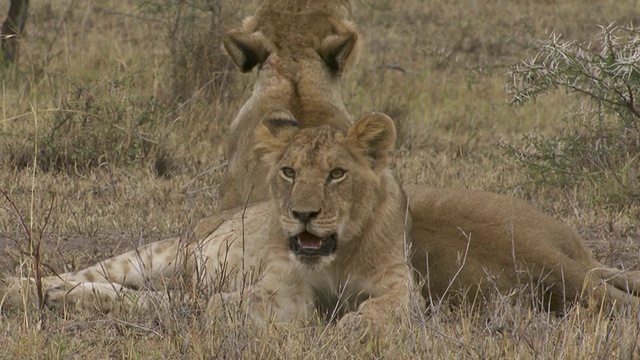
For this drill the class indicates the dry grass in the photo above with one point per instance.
(126, 132)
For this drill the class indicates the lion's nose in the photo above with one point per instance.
(304, 216)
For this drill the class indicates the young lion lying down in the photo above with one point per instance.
(334, 239)
(331, 239)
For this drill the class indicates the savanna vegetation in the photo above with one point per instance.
(112, 134)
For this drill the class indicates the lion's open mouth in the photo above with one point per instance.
(307, 244)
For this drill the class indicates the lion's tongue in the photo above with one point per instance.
(309, 241)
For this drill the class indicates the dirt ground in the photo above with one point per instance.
(71, 252)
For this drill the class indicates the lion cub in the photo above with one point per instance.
(332, 239)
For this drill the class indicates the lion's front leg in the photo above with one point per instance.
(281, 304)
(376, 316)
(380, 317)
(271, 299)
(150, 266)
(262, 306)
(153, 266)
(101, 297)
(397, 296)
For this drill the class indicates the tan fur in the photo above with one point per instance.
(342, 182)
(472, 244)
(301, 48)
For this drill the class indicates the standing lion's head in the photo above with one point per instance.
(296, 30)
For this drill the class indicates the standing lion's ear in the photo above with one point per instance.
(273, 134)
(246, 49)
(340, 52)
(375, 136)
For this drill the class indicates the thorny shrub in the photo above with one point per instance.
(600, 142)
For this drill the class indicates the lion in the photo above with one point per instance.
(339, 237)
(301, 49)
(469, 245)
(332, 240)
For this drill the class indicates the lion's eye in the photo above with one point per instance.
(337, 174)
(288, 173)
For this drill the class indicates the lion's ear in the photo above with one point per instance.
(246, 49)
(273, 134)
(375, 135)
(340, 52)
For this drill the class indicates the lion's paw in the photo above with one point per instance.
(361, 326)
(56, 297)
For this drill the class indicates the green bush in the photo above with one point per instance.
(600, 143)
